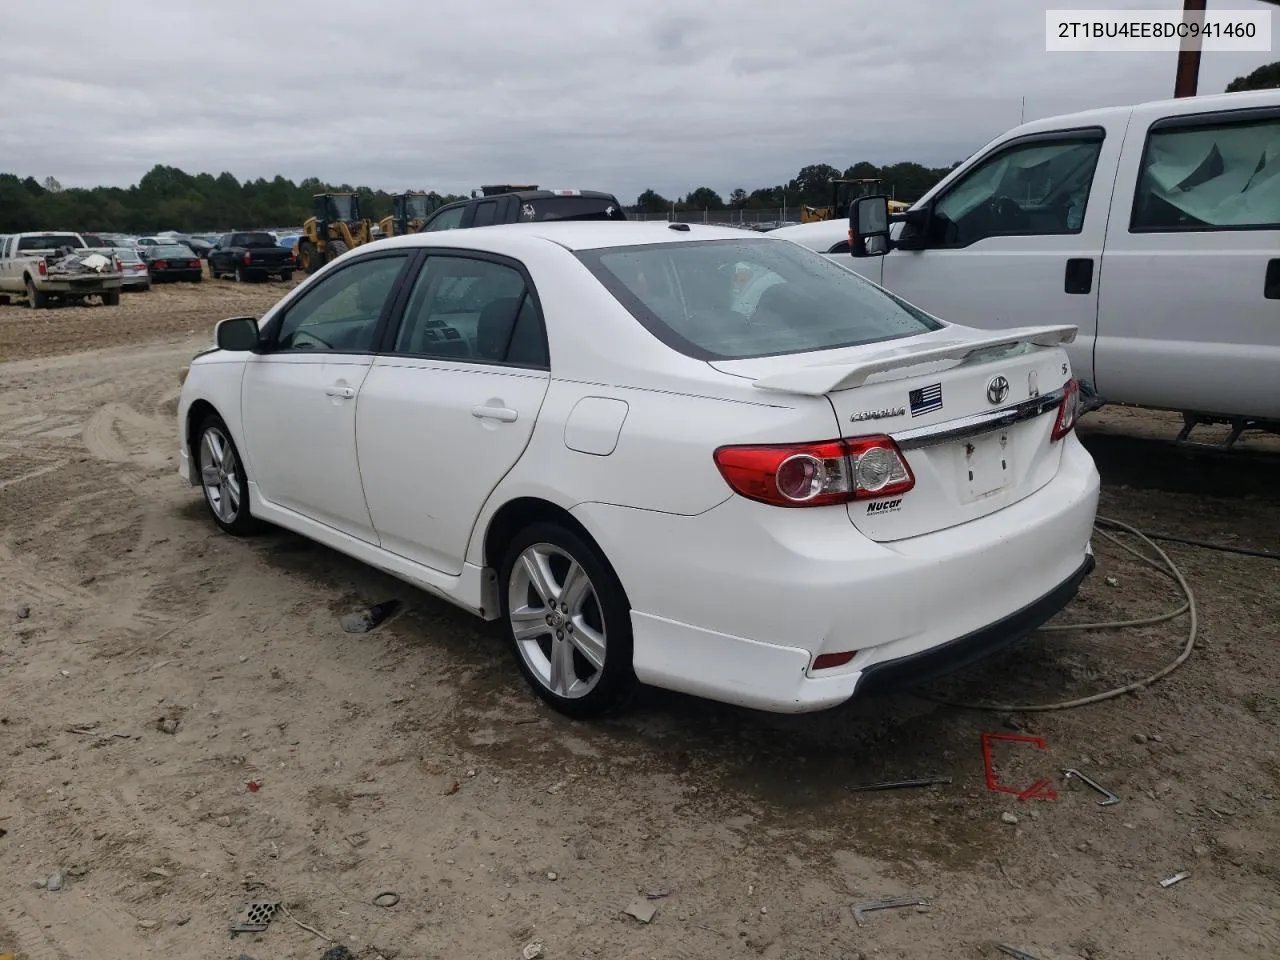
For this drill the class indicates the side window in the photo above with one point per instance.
(486, 214)
(340, 313)
(1218, 176)
(449, 219)
(841, 247)
(1037, 188)
(471, 309)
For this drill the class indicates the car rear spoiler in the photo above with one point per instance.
(818, 379)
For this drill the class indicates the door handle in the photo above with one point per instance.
(505, 414)
(1079, 276)
(344, 393)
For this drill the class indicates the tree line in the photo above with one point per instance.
(167, 198)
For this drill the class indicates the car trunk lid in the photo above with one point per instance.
(971, 411)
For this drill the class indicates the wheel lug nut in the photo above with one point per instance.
(559, 634)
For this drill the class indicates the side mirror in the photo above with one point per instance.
(237, 333)
(869, 226)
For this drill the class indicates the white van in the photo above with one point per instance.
(1154, 229)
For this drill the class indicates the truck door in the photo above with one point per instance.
(1017, 237)
(1189, 316)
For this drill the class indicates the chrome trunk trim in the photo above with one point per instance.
(979, 423)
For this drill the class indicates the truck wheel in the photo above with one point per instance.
(35, 299)
(308, 257)
(286, 276)
(240, 275)
(336, 249)
(111, 298)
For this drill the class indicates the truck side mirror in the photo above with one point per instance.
(237, 333)
(869, 226)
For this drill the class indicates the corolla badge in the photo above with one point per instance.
(997, 390)
(881, 414)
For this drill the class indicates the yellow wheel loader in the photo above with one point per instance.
(409, 211)
(335, 228)
(843, 193)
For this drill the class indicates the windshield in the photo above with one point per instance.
(732, 299)
(417, 208)
(253, 240)
(161, 250)
(571, 208)
(340, 208)
(51, 241)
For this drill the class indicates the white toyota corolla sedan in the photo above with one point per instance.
(713, 462)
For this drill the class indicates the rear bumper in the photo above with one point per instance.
(79, 287)
(736, 603)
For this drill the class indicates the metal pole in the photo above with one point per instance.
(1187, 79)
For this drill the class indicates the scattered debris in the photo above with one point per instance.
(1176, 878)
(885, 903)
(1009, 818)
(159, 872)
(167, 725)
(1139, 738)
(253, 786)
(532, 950)
(1040, 789)
(642, 910)
(900, 784)
(362, 621)
(23, 612)
(310, 929)
(1109, 798)
(55, 882)
(77, 870)
(1014, 952)
(148, 924)
(338, 953)
(658, 894)
(256, 916)
(388, 898)
(357, 840)
(453, 789)
(1111, 581)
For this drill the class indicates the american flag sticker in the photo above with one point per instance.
(925, 399)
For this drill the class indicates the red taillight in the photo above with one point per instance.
(816, 474)
(248, 257)
(119, 266)
(161, 264)
(293, 257)
(194, 263)
(1068, 411)
(42, 269)
(826, 661)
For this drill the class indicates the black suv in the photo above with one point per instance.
(526, 206)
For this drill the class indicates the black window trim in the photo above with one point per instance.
(269, 347)
(457, 204)
(655, 325)
(1088, 134)
(387, 341)
(1202, 120)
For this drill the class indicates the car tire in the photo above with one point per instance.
(35, 299)
(228, 502)
(240, 275)
(111, 298)
(146, 287)
(286, 276)
(578, 657)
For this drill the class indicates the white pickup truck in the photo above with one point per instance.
(48, 266)
(1154, 229)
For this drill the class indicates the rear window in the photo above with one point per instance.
(50, 242)
(172, 250)
(570, 208)
(733, 299)
(253, 240)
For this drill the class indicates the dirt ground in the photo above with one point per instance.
(321, 768)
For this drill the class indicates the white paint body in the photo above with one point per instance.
(730, 599)
(1175, 320)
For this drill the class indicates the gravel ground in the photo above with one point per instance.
(152, 669)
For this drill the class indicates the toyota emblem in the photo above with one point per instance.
(997, 390)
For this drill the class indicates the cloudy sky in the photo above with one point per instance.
(610, 94)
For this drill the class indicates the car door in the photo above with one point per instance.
(449, 407)
(1017, 239)
(299, 393)
(1189, 316)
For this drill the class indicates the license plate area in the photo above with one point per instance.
(986, 464)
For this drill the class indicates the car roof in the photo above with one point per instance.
(822, 234)
(570, 234)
